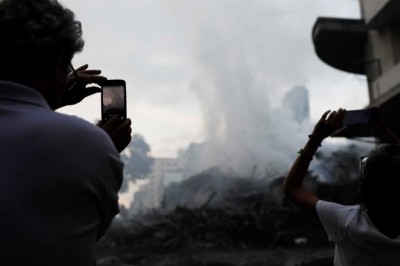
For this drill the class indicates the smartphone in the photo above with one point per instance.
(113, 99)
(354, 117)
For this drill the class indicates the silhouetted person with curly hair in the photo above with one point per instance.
(60, 175)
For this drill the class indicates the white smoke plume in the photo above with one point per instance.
(247, 55)
(243, 128)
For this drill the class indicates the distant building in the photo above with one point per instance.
(368, 46)
(164, 172)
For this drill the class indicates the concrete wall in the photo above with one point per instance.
(387, 83)
(382, 52)
(369, 8)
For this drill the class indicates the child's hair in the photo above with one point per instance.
(380, 181)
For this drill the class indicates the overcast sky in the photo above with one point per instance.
(176, 54)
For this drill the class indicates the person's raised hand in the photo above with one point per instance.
(77, 85)
(118, 130)
(328, 124)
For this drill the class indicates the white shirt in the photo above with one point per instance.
(357, 240)
(59, 180)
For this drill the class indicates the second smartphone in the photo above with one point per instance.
(113, 99)
(355, 117)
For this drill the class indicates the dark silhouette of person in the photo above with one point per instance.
(365, 234)
(60, 175)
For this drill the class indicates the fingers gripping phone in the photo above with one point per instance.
(113, 99)
(354, 117)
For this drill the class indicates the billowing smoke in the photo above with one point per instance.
(244, 70)
(243, 133)
(251, 63)
(245, 127)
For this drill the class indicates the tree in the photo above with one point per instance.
(137, 160)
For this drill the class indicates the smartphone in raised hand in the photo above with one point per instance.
(113, 99)
(355, 117)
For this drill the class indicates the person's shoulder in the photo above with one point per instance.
(336, 218)
(72, 123)
(329, 204)
(72, 131)
(333, 209)
(68, 123)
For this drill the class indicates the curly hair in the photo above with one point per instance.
(380, 179)
(34, 30)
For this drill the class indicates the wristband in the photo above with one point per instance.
(308, 158)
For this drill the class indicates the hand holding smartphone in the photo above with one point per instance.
(113, 99)
(354, 117)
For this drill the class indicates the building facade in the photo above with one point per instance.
(164, 172)
(367, 46)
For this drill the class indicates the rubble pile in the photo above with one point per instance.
(216, 228)
(217, 209)
(220, 212)
(250, 220)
